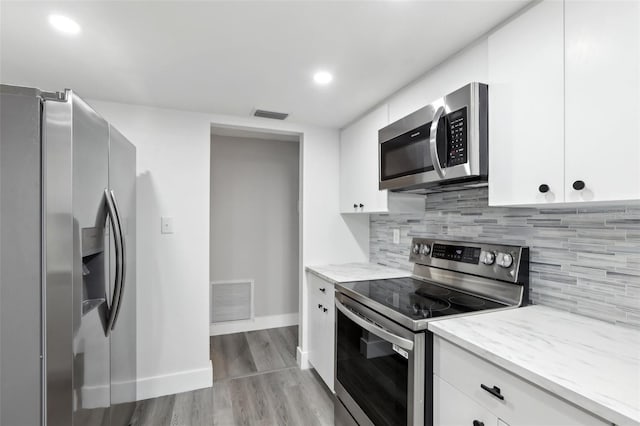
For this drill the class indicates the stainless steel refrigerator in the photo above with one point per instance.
(67, 263)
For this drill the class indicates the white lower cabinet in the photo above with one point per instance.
(468, 389)
(321, 328)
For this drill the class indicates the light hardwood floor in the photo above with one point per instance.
(255, 382)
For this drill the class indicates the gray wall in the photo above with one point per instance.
(583, 260)
(254, 218)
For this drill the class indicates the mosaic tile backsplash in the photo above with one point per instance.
(583, 260)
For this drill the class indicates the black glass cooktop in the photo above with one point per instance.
(419, 300)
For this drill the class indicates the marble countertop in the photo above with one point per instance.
(348, 272)
(595, 365)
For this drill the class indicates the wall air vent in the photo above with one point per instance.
(270, 114)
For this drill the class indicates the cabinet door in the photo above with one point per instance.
(453, 408)
(314, 328)
(526, 108)
(359, 164)
(321, 327)
(603, 99)
(327, 362)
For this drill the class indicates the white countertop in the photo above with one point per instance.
(348, 272)
(595, 365)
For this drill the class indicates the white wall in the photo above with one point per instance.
(173, 270)
(254, 219)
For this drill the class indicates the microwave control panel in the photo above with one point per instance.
(457, 137)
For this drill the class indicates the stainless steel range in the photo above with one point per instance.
(383, 349)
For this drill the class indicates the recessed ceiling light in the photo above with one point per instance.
(64, 24)
(322, 77)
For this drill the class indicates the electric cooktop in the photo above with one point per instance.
(420, 300)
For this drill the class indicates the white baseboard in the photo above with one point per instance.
(93, 397)
(184, 381)
(257, 323)
(302, 358)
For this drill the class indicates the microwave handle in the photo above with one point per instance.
(374, 328)
(433, 143)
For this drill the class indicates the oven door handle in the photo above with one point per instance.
(374, 328)
(433, 143)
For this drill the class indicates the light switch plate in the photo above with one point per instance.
(166, 225)
(396, 236)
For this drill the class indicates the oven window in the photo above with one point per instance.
(372, 373)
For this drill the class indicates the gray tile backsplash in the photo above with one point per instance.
(583, 260)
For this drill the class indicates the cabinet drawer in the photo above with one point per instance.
(453, 408)
(320, 289)
(523, 403)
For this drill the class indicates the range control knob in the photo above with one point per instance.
(416, 249)
(504, 259)
(487, 257)
(425, 250)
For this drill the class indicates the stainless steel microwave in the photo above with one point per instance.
(440, 147)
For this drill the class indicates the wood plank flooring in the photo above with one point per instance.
(255, 382)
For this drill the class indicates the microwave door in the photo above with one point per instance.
(410, 158)
(406, 155)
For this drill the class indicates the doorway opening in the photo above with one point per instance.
(255, 229)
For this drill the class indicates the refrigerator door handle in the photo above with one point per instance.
(115, 226)
(123, 260)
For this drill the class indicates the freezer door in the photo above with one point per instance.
(20, 249)
(122, 182)
(91, 282)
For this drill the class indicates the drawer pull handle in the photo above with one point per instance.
(478, 423)
(495, 391)
(320, 307)
(324, 309)
(323, 290)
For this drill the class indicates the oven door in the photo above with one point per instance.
(380, 367)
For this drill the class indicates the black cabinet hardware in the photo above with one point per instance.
(320, 307)
(578, 185)
(544, 188)
(322, 290)
(324, 309)
(495, 391)
(478, 423)
(355, 206)
(361, 205)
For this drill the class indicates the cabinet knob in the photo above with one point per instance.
(355, 206)
(324, 290)
(578, 185)
(319, 306)
(544, 188)
(324, 309)
(361, 205)
(478, 423)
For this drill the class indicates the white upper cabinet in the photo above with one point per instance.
(564, 92)
(602, 100)
(359, 191)
(526, 108)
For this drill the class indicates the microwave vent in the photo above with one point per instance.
(270, 114)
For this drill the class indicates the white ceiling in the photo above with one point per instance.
(231, 57)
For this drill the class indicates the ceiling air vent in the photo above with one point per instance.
(270, 114)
